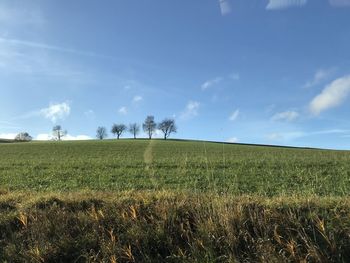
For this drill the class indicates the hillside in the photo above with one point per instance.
(172, 201)
(173, 165)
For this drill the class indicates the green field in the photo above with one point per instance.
(172, 201)
(174, 165)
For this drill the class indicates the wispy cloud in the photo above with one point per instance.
(330, 131)
(68, 137)
(339, 3)
(56, 112)
(332, 95)
(284, 136)
(285, 116)
(39, 45)
(232, 140)
(234, 115)
(137, 99)
(320, 76)
(209, 83)
(8, 136)
(43, 137)
(225, 7)
(287, 136)
(16, 59)
(191, 110)
(215, 81)
(284, 4)
(123, 110)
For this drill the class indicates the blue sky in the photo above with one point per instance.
(250, 71)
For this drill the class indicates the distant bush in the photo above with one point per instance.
(23, 137)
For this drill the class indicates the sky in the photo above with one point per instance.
(248, 71)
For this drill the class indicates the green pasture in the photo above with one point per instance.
(119, 165)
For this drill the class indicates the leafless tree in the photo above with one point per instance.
(58, 132)
(149, 126)
(101, 133)
(118, 129)
(134, 129)
(167, 126)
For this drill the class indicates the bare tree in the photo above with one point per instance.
(101, 133)
(134, 129)
(149, 126)
(118, 129)
(58, 132)
(167, 126)
(23, 137)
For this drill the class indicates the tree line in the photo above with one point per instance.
(149, 126)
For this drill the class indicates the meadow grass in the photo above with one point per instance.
(172, 201)
(173, 165)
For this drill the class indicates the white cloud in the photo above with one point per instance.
(319, 76)
(43, 137)
(284, 4)
(210, 83)
(123, 110)
(191, 110)
(285, 136)
(9, 136)
(137, 99)
(339, 3)
(274, 136)
(56, 111)
(285, 116)
(234, 115)
(332, 95)
(68, 137)
(232, 139)
(225, 7)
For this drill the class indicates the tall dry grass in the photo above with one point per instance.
(172, 227)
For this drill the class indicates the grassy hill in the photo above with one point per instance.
(174, 165)
(172, 201)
